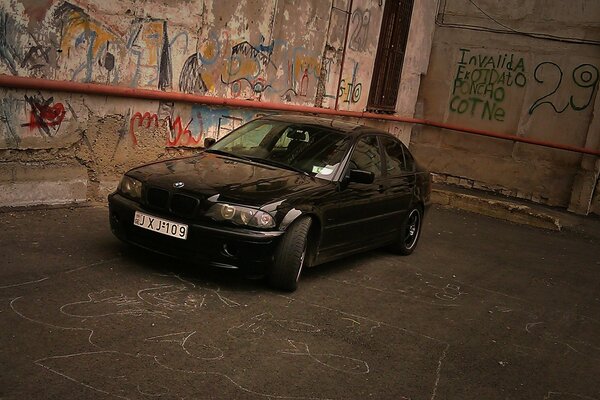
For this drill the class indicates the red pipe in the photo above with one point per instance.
(121, 91)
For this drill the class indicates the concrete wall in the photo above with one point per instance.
(484, 74)
(278, 51)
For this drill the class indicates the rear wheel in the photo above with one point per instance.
(290, 256)
(410, 231)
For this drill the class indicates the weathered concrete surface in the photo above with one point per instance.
(27, 184)
(483, 74)
(523, 212)
(505, 210)
(482, 310)
(275, 51)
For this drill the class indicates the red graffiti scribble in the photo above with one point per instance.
(43, 115)
(146, 117)
(181, 136)
(178, 134)
(51, 116)
(304, 83)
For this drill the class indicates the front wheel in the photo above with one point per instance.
(290, 256)
(410, 231)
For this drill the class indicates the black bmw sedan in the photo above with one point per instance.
(278, 194)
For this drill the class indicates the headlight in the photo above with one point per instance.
(131, 187)
(241, 215)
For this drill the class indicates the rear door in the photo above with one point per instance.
(399, 181)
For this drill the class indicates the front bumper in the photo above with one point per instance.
(217, 245)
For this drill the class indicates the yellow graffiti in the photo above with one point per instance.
(306, 63)
(79, 24)
(208, 50)
(152, 37)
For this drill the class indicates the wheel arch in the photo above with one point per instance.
(314, 232)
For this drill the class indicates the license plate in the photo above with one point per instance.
(159, 225)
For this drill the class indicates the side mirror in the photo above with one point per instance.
(360, 176)
(209, 141)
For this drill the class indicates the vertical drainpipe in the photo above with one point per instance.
(343, 56)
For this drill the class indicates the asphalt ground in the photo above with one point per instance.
(483, 309)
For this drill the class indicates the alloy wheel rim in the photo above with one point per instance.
(301, 263)
(412, 229)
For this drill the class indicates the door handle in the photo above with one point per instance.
(381, 189)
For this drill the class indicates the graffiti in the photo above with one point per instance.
(302, 65)
(190, 79)
(481, 83)
(108, 62)
(165, 71)
(82, 38)
(217, 122)
(304, 83)
(179, 135)
(246, 64)
(8, 53)
(352, 89)
(33, 57)
(93, 51)
(323, 82)
(8, 111)
(81, 43)
(449, 292)
(262, 54)
(584, 76)
(147, 52)
(257, 86)
(152, 52)
(228, 123)
(247, 60)
(36, 57)
(360, 29)
(44, 115)
(146, 118)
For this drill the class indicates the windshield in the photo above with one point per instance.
(313, 150)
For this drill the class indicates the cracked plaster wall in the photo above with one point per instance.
(275, 51)
(484, 75)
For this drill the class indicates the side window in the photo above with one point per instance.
(393, 156)
(410, 161)
(366, 156)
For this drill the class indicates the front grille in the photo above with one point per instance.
(183, 205)
(158, 198)
(175, 203)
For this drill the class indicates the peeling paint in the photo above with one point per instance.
(275, 50)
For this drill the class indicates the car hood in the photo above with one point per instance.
(234, 180)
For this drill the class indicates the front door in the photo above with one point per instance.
(352, 218)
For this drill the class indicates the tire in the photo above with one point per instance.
(290, 256)
(410, 232)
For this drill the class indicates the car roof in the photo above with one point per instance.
(339, 125)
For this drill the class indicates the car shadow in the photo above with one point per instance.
(231, 279)
(195, 272)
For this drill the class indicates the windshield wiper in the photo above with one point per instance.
(226, 153)
(278, 164)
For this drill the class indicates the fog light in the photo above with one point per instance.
(229, 251)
